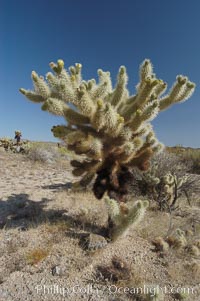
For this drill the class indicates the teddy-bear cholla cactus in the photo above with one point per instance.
(171, 185)
(178, 240)
(108, 126)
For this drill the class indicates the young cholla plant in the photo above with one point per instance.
(165, 190)
(122, 216)
(106, 126)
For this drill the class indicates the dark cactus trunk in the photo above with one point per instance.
(115, 183)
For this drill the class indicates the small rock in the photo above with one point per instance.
(93, 242)
(58, 271)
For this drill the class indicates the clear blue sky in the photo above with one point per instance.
(99, 34)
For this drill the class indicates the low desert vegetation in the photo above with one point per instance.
(188, 155)
(193, 156)
(36, 255)
(43, 152)
(167, 181)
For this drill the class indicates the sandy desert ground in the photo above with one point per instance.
(46, 249)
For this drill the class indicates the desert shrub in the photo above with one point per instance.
(188, 155)
(42, 152)
(192, 156)
(166, 181)
(63, 150)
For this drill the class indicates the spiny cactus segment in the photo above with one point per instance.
(123, 215)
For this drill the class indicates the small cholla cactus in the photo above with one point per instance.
(177, 240)
(108, 126)
(123, 215)
(197, 243)
(193, 250)
(194, 266)
(172, 184)
(180, 240)
(160, 244)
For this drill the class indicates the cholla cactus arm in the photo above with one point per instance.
(61, 131)
(180, 92)
(84, 102)
(146, 70)
(32, 96)
(148, 113)
(120, 91)
(55, 106)
(105, 124)
(103, 89)
(158, 148)
(113, 208)
(40, 85)
(82, 143)
(86, 179)
(160, 88)
(75, 118)
(58, 107)
(145, 91)
(86, 167)
(141, 159)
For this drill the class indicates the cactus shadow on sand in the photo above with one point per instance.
(20, 212)
(19, 209)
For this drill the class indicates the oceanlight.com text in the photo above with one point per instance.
(111, 290)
